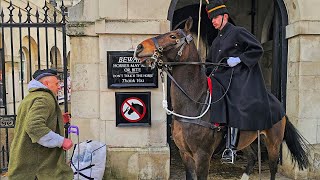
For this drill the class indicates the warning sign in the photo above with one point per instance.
(133, 109)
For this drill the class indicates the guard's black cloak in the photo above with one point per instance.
(247, 105)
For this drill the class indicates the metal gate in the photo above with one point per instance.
(31, 39)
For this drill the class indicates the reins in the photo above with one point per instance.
(187, 95)
(165, 102)
(167, 65)
(195, 63)
(169, 112)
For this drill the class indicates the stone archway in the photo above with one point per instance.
(31, 53)
(267, 28)
(55, 58)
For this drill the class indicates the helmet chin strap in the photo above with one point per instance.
(221, 22)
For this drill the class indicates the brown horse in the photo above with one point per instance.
(196, 142)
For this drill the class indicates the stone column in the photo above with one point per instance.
(303, 88)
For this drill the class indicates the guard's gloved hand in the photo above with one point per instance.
(233, 61)
(67, 144)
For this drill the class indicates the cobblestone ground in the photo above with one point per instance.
(218, 170)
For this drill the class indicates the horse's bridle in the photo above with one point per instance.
(182, 42)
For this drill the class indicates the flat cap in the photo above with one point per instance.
(41, 73)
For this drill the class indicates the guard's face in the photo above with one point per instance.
(216, 21)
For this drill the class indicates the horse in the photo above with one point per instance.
(176, 52)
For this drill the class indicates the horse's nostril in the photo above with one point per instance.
(139, 48)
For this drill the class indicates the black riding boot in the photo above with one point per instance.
(228, 155)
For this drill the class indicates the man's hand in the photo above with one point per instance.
(67, 144)
(66, 117)
(233, 61)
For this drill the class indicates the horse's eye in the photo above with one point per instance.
(172, 37)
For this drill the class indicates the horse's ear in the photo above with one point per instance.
(188, 24)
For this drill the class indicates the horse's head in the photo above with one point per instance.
(165, 47)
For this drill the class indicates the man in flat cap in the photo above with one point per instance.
(37, 149)
(248, 105)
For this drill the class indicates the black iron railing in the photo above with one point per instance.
(27, 34)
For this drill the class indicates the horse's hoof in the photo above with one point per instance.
(245, 176)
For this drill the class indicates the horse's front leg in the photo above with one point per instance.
(202, 164)
(188, 164)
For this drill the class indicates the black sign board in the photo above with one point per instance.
(133, 109)
(125, 71)
(7, 121)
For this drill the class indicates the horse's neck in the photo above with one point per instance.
(191, 77)
(192, 80)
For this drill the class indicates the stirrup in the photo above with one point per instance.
(228, 159)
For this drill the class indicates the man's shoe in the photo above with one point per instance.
(228, 156)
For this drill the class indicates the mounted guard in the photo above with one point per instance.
(248, 104)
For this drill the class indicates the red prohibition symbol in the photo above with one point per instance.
(133, 109)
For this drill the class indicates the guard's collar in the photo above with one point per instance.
(226, 28)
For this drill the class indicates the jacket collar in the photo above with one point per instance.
(35, 85)
(226, 29)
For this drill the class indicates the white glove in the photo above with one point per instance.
(233, 61)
